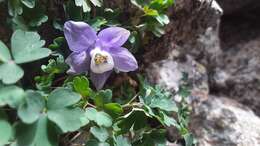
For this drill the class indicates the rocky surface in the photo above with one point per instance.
(223, 63)
(224, 122)
(169, 72)
(194, 27)
(236, 74)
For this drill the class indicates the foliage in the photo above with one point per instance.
(154, 14)
(25, 47)
(42, 105)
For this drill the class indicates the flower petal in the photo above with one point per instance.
(123, 60)
(79, 35)
(78, 62)
(113, 36)
(99, 79)
(106, 65)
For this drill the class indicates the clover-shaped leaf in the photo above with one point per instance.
(103, 97)
(31, 109)
(95, 142)
(68, 119)
(61, 112)
(27, 47)
(11, 95)
(81, 86)
(121, 141)
(62, 98)
(100, 133)
(40, 133)
(99, 117)
(6, 131)
(10, 72)
(4, 53)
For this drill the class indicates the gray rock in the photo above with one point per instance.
(220, 121)
(194, 27)
(168, 74)
(236, 73)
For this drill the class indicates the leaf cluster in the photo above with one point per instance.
(55, 105)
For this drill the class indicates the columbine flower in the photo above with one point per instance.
(97, 54)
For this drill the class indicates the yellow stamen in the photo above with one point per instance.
(99, 58)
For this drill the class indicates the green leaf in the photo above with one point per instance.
(55, 66)
(158, 31)
(30, 19)
(27, 47)
(6, 131)
(162, 19)
(114, 109)
(97, 3)
(138, 3)
(102, 97)
(155, 137)
(157, 98)
(137, 119)
(68, 119)
(4, 53)
(164, 104)
(101, 118)
(184, 91)
(29, 3)
(94, 142)
(11, 95)
(150, 12)
(36, 16)
(57, 43)
(81, 86)
(10, 72)
(61, 98)
(44, 83)
(188, 139)
(60, 111)
(40, 133)
(18, 22)
(97, 22)
(100, 133)
(168, 121)
(15, 7)
(73, 11)
(121, 141)
(84, 4)
(31, 109)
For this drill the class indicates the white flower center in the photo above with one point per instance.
(101, 61)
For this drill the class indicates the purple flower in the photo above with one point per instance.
(97, 54)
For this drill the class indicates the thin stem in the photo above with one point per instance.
(75, 137)
(88, 104)
(132, 100)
